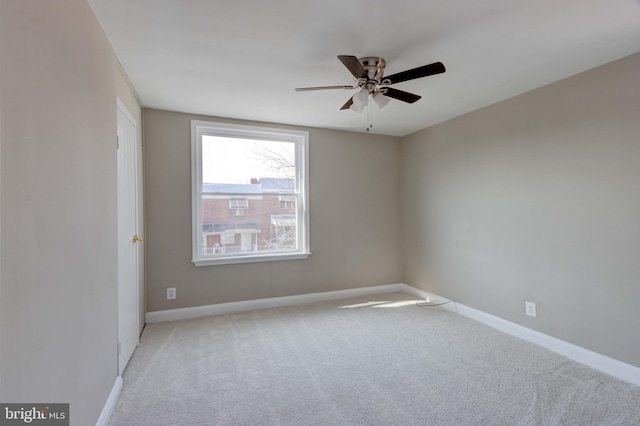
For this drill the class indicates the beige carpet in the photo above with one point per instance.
(377, 360)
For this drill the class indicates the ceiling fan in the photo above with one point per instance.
(369, 75)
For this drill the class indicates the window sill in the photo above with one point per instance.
(249, 259)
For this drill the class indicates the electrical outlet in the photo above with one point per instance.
(530, 309)
(171, 293)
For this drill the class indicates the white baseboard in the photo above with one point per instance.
(613, 367)
(274, 302)
(110, 405)
(433, 298)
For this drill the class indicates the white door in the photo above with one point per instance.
(128, 238)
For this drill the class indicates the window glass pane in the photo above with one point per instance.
(265, 226)
(228, 161)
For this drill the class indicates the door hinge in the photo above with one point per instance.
(119, 348)
(117, 141)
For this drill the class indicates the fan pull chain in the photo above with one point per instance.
(369, 113)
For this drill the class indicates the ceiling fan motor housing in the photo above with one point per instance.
(375, 70)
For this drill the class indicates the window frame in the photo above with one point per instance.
(200, 128)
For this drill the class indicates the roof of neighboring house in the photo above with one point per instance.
(230, 228)
(231, 188)
(277, 185)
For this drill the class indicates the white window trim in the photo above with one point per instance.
(300, 138)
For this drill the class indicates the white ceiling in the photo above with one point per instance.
(243, 58)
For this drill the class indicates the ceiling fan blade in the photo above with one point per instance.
(305, 89)
(347, 104)
(423, 71)
(400, 95)
(353, 65)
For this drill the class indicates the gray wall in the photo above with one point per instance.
(536, 198)
(58, 312)
(354, 215)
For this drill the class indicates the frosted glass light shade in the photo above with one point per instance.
(357, 108)
(380, 100)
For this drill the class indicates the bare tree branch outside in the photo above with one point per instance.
(281, 163)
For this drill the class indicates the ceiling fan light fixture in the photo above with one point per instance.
(357, 108)
(360, 100)
(380, 100)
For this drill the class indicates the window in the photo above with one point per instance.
(286, 203)
(234, 167)
(238, 206)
